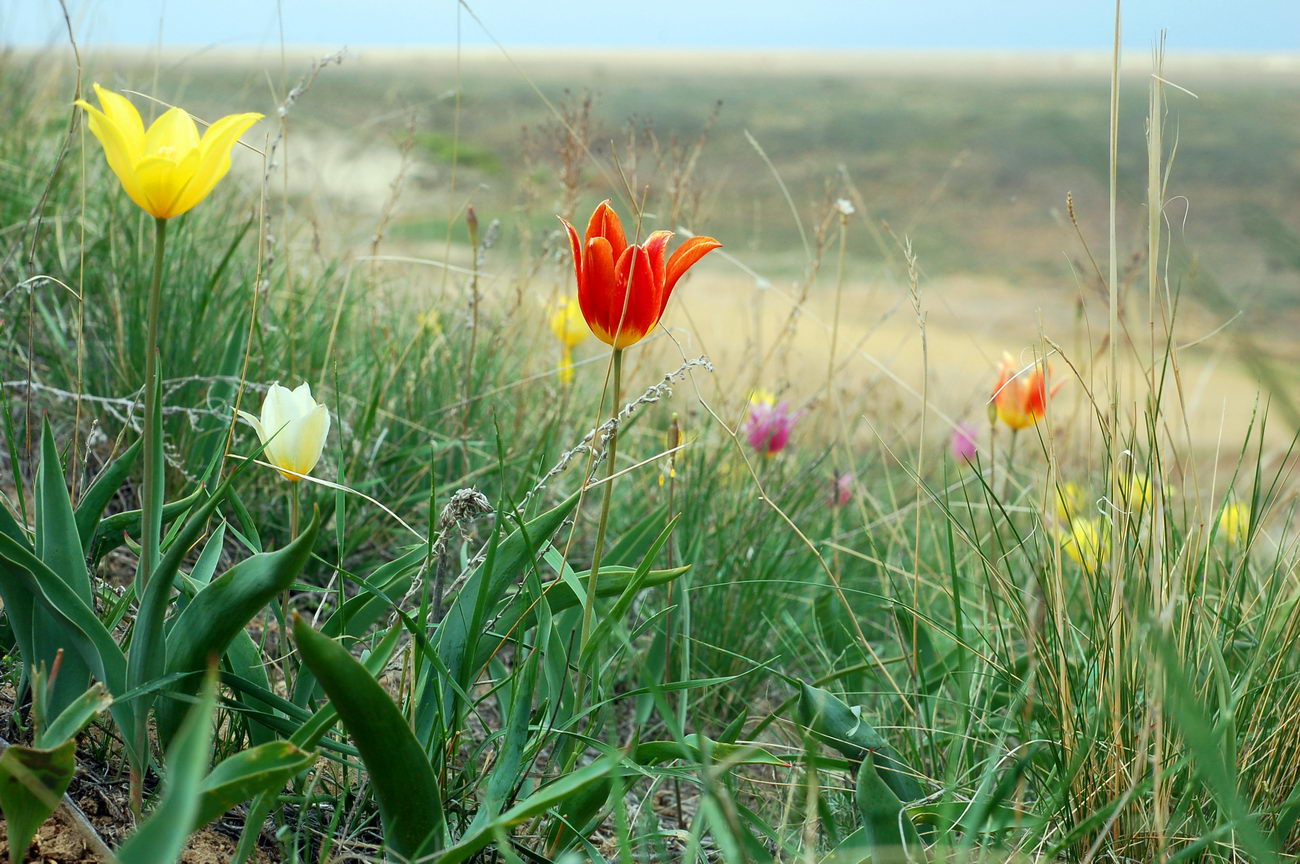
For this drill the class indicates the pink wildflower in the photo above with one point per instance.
(963, 442)
(843, 491)
(768, 426)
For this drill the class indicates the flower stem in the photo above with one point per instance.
(590, 602)
(151, 497)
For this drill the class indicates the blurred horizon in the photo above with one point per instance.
(1259, 26)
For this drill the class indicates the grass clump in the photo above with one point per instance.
(1073, 639)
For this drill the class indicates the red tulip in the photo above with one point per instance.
(1021, 395)
(622, 287)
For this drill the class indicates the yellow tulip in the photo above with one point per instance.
(1235, 521)
(293, 426)
(168, 168)
(1069, 501)
(1136, 491)
(1087, 542)
(567, 323)
(570, 329)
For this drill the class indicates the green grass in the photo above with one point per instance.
(1026, 705)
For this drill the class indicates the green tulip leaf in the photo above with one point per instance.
(160, 839)
(220, 612)
(90, 510)
(248, 774)
(410, 802)
(32, 782)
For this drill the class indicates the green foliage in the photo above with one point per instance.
(410, 802)
(964, 688)
(161, 837)
(33, 779)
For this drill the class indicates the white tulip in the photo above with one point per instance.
(293, 426)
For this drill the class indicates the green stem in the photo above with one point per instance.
(151, 496)
(590, 601)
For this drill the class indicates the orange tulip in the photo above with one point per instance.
(623, 288)
(1021, 397)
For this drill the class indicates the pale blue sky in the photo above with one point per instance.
(1045, 25)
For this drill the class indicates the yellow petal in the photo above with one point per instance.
(306, 440)
(122, 113)
(174, 134)
(215, 148)
(162, 181)
(116, 150)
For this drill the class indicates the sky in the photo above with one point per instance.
(1031, 25)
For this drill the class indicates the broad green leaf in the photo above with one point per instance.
(32, 781)
(358, 614)
(147, 660)
(410, 802)
(615, 615)
(112, 530)
(520, 612)
(57, 542)
(244, 659)
(59, 545)
(844, 728)
(510, 752)
(306, 737)
(90, 509)
(222, 610)
(161, 838)
(74, 718)
(22, 573)
(553, 794)
(247, 774)
(885, 826)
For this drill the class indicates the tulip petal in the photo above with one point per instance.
(255, 423)
(304, 441)
(274, 408)
(605, 223)
(684, 258)
(634, 306)
(162, 182)
(300, 398)
(656, 247)
(126, 118)
(214, 162)
(575, 245)
(596, 288)
(117, 151)
(174, 133)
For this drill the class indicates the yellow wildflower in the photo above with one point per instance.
(168, 168)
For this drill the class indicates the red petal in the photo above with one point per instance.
(684, 258)
(656, 247)
(605, 223)
(634, 310)
(594, 292)
(576, 245)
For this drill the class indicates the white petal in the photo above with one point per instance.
(256, 424)
(302, 402)
(274, 413)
